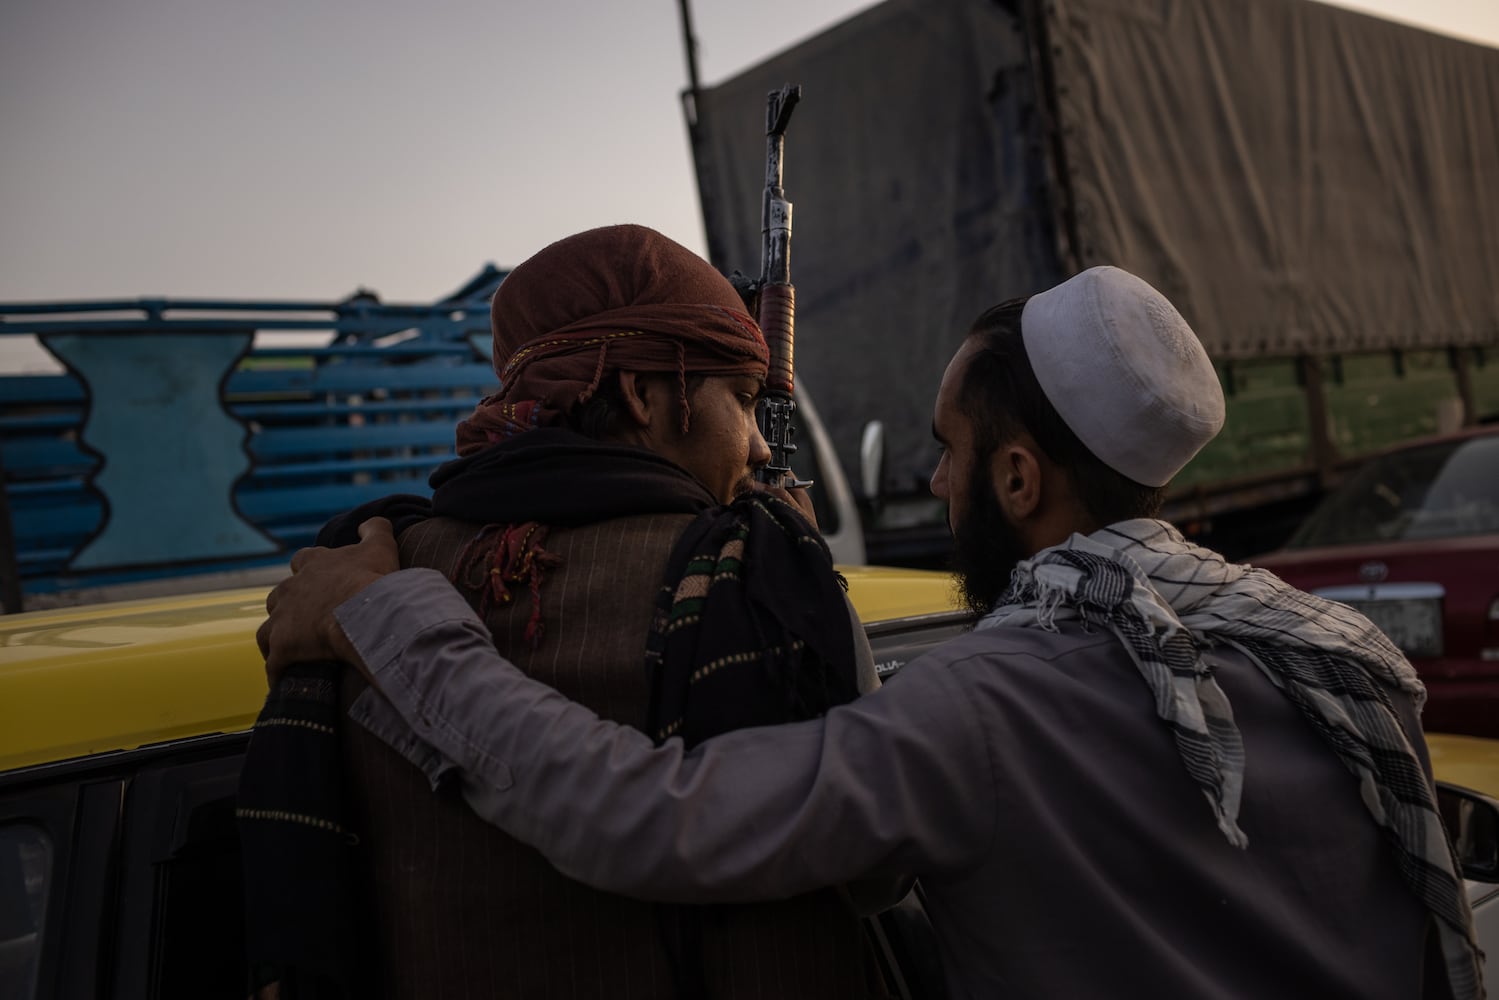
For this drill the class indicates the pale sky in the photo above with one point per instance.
(303, 148)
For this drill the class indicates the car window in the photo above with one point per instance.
(25, 880)
(1448, 490)
(181, 916)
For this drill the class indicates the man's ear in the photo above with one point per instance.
(1015, 471)
(634, 392)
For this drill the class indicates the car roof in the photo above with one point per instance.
(85, 680)
(1469, 761)
(882, 593)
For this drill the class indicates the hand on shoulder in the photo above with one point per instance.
(301, 627)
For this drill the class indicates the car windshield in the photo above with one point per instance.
(1444, 490)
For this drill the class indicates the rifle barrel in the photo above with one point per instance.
(777, 296)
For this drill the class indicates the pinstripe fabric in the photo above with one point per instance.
(461, 910)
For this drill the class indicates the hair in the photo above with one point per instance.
(1001, 396)
(601, 417)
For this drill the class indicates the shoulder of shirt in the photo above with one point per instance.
(1012, 665)
(1018, 646)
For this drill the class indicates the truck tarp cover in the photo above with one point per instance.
(1296, 177)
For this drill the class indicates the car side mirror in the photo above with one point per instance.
(872, 459)
(1472, 822)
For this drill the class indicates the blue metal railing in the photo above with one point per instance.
(180, 438)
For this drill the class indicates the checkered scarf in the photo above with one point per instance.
(1166, 598)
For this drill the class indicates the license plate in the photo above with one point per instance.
(1413, 625)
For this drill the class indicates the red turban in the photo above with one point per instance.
(622, 297)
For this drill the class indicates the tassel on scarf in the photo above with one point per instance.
(494, 565)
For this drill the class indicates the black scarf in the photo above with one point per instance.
(552, 475)
(751, 626)
(302, 934)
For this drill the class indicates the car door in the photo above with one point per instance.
(120, 875)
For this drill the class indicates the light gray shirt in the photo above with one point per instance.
(1020, 773)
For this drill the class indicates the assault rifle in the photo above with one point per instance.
(777, 299)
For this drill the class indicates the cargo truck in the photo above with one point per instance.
(1317, 190)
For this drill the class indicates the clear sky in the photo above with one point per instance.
(303, 148)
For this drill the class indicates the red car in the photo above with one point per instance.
(1412, 540)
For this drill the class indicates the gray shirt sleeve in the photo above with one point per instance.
(896, 782)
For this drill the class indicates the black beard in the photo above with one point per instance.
(986, 548)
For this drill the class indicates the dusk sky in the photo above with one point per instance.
(298, 148)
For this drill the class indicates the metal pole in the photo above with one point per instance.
(689, 45)
(1324, 453)
(696, 139)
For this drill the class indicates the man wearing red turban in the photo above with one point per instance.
(601, 519)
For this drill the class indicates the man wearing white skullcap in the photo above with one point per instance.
(1147, 771)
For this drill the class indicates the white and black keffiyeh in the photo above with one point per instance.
(1166, 598)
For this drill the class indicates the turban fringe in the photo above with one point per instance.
(547, 378)
(618, 298)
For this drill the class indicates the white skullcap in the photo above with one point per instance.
(1125, 372)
